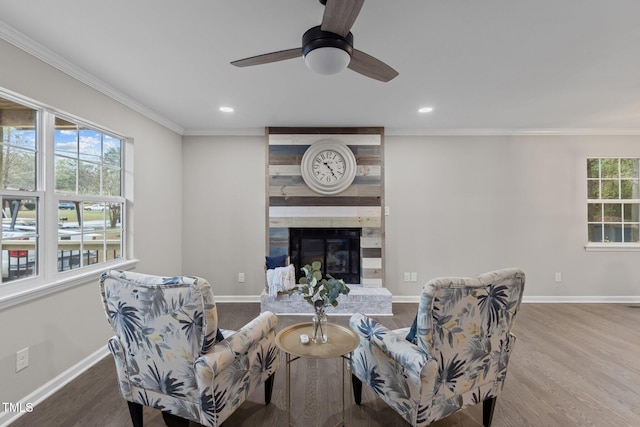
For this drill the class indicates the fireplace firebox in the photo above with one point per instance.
(338, 249)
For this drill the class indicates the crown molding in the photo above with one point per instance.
(225, 132)
(513, 132)
(19, 40)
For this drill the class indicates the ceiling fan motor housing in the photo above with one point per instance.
(315, 38)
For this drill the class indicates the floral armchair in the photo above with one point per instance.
(170, 354)
(454, 356)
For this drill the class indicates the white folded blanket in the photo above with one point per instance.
(281, 279)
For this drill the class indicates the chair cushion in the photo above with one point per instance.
(276, 261)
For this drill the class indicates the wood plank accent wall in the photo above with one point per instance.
(291, 204)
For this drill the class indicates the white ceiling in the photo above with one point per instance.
(485, 66)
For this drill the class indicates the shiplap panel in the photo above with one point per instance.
(329, 222)
(372, 263)
(324, 201)
(294, 190)
(370, 242)
(295, 170)
(308, 139)
(324, 211)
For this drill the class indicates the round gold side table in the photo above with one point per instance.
(341, 343)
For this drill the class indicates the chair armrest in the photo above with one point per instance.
(373, 333)
(224, 353)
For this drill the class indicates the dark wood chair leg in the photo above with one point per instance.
(171, 420)
(487, 411)
(268, 389)
(357, 389)
(135, 410)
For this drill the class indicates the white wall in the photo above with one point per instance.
(225, 212)
(465, 205)
(458, 206)
(63, 329)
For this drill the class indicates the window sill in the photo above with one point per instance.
(612, 247)
(32, 292)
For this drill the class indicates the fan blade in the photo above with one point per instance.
(266, 58)
(369, 66)
(339, 15)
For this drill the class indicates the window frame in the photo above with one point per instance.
(608, 246)
(48, 279)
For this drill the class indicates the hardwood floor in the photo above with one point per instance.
(573, 365)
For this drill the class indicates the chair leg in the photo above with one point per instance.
(135, 410)
(487, 411)
(171, 420)
(357, 389)
(268, 389)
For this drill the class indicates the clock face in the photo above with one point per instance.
(328, 166)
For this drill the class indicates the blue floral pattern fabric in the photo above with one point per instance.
(462, 346)
(167, 352)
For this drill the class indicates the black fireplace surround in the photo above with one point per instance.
(338, 249)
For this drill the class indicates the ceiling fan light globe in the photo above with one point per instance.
(327, 60)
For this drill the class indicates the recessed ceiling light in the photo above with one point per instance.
(226, 109)
(425, 110)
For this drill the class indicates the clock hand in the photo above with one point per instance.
(327, 165)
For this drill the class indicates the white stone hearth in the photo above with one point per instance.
(370, 301)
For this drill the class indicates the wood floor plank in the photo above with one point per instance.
(573, 365)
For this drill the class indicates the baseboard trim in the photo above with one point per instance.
(46, 390)
(632, 299)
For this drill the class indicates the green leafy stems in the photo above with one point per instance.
(318, 291)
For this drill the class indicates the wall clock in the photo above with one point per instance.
(328, 166)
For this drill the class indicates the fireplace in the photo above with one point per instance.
(338, 249)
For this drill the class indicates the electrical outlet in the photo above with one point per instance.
(387, 211)
(558, 277)
(414, 276)
(22, 359)
(241, 277)
(407, 277)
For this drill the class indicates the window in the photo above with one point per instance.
(75, 211)
(20, 200)
(88, 171)
(613, 205)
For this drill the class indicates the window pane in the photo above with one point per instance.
(609, 168)
(594, 212)
(593, 189)
(631, 212)
(113, 244)
(18, 146)
(112, 148)
(65, 138)
(90, 145)
(612, 212)
(593, 168)
(111, 182)
(66, 175)
(610, 189)
(613, 233)
(19, 238)
(595, 232)
(18, 168)
(629, 168)
(631, 233)
(629, 188)
(88, 178)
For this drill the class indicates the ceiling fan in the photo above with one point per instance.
(328, 48)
